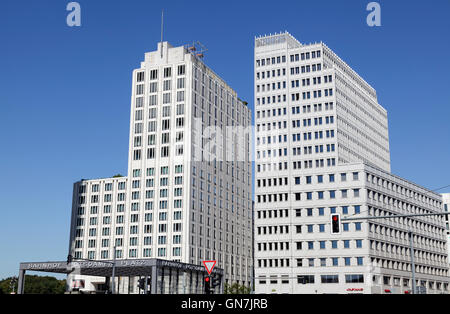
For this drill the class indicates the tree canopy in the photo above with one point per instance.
(236, 289)
(36, 285)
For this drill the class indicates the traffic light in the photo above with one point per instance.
(215, 281)
(335, 224)
(207, 285)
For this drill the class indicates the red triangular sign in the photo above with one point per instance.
(209, 265)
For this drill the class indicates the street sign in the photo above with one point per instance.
(209, 265)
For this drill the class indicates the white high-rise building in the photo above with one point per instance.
(322, 147)
(187, 195)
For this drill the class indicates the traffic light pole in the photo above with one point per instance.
(113, 272)
(410, 233)
(413, 266)
(13, 284)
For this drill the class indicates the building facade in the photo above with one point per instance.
(322, 147)
(187, 195)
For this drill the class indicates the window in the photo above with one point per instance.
(152, 126)
(180, 109)
(181, 69)
(321, 228)
(140, 76)
(137, 155)
(139, 102)
(167, 85)
(305, 279)
(177, 251)
(344, 210)
(179, 122)
(153, 100)
(329, 279)
(358, 244)
(153, 74)
(165, 151)
(154, 87)
(166, 111)
(177, 239)
(180, 96)
(167, 98)
(354, 278)
(167, 72)
(140, 89)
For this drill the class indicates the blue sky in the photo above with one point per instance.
(65, 92)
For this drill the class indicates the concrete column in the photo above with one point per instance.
(154, 278)
(162, 288)
(146, 285)
(108, 284)
(21, 283)
(221, 289)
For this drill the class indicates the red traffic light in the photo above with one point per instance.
(335, 224)
(207, 279)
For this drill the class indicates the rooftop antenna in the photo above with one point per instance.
(197, 49)
(162, 29)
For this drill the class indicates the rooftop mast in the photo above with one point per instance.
(162, 28)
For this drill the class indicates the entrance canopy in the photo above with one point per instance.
(123, 268)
